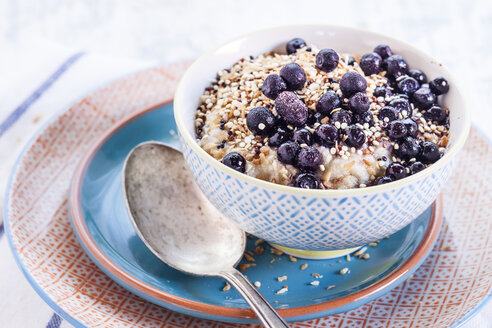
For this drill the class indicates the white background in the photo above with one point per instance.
(458, 33)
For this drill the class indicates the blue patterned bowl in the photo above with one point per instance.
(314, 220)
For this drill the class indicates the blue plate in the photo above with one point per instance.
(104, 214)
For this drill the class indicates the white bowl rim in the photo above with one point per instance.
(447, 157)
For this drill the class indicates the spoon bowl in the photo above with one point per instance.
(178, 224)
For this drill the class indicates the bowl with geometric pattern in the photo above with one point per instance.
(307, 222)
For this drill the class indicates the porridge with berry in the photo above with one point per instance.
(318, 119)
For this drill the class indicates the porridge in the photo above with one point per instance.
(321, 120)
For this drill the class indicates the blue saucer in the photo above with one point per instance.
(104, 213)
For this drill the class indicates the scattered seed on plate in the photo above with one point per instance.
(304, 266)
(257, 284)
(226, 287)
(365, 256)
(249, 257)
(330, 287)
(344, 271)
(314, 283)
(348, 257)
(317, 275)
(292, 258)
(282, 290)
(277, 251)
(258, 242)
(282, 278)
(360, 251)
(245, 266)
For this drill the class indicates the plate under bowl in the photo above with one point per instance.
(102, 226)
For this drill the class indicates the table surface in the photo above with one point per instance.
(456, 32)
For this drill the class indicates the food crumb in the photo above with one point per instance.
(344, 271)
(360, 251)
(348, 257)
(314, 283)
(365, 256)
(282, 290)
(373, 244)
(282, 278)
(257, 284)
(330, 287)
(226, 287)
(317, 275)
(245, 266)
(292, 258)
(259, 242)
(249, 257)
(304, 266)
(272, 260)
(277, 251)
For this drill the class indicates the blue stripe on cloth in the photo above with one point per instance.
(19, 111)
(55, 321)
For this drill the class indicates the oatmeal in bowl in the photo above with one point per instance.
(317, 119)
(325, 144)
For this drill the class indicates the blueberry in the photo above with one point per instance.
(429, 153)
(326, 135)
(295, 44)
(418, 75)
(235, 161)
(383, 50)
(416, 167)
(397, 66)
(439, 85)
(273, 86)
(436, 113)
(365, 117)
(371, 63)
(355, 136)
(328, 102)
(396, 171)
(383, 180)
(351, 83)
(408, 85)
(327, 60)
(282, 135)
(408, 148)
(350, 61)
(382, 92)
(303, 136)
(291, 109)
(388, 112)
(306, 180)
(401, 104)
(411, 125)
(423, 98)
(287, 152)
(359, 102)
(294, 76)
(260, 121)
(396, 130)
(341, 116)
(309, 158)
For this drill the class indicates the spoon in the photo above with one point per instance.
(181, 227)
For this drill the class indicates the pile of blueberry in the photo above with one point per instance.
(287, 131)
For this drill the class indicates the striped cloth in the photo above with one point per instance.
(49, 84)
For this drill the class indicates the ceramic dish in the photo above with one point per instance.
(316, 220)
(447, 289)
(104, 229)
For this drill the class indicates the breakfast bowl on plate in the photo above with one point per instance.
(319, 139)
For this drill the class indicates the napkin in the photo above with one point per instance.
(40, 79)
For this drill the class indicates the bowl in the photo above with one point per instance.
(314, 223)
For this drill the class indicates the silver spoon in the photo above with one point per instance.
(181, 227)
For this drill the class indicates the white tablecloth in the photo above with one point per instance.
(38, 77)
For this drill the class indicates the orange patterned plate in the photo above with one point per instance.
(452, 283)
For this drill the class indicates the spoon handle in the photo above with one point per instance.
(265, 312)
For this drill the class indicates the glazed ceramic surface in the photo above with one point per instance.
(102, 224)
(448, 287)
(313, 219)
